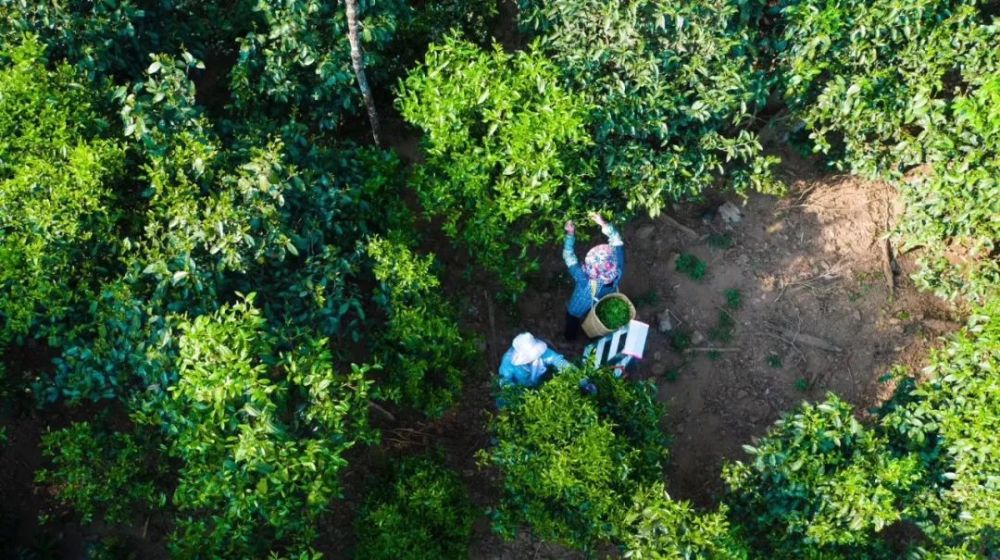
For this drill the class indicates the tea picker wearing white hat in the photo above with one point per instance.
(527, 361)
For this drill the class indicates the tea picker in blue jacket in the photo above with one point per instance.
(598, 276)
(527, 362)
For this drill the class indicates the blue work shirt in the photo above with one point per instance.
(511, 374)
(583, 299)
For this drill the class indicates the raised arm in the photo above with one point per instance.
(569, 243)
(615, 240)
(569, 254)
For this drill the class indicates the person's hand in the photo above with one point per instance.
(597, 218)
(570, 228)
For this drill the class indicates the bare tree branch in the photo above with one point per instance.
(358, 61)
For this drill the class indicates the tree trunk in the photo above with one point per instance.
(358, 60)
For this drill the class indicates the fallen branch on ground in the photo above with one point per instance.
(810, 340)
(887, 268)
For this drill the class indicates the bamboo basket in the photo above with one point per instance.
(593, 326)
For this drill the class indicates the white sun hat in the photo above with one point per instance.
(527, 349)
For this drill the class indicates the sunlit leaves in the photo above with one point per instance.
(671, 103)
(504, 146)
(58, 168)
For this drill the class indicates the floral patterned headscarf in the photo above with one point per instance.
(601, 265)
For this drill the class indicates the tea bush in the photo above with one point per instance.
(673, 89)
(572, 462)
(113, 39)
(421, 512)
(660, 528)
(950, 420)
(103, 475)
(820, 483)
(57, 200)
(953, 210)
(882, 87)
(422, 351)
(260, 434)
(503, 145)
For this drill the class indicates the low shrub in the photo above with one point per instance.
(422, 511)
(423, 352)
(100, 474)
(660, 528)
(572, 462)
(819, 483)
(692, 266)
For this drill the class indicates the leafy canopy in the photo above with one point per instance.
(423, 352)
(422, 511)
(58, 209)
(572, 462)
(503, 145)
(260, 433)
(672, 89)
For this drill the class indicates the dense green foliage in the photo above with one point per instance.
(161, 158)
(57, 214)
(884, 86)
(102, 475)
(571, 462)
(421, 512)
(819, 483)
(673, 88)
(423, 353)
(660, 528)
(951, 420)
(260, 433)
(503, 145)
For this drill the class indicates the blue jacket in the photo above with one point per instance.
(582, 300)
(521, 375)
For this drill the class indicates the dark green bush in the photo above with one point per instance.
(692, 266)
(819, 483)
(673, 89)
(422, 511)
(100, 474)
(423, 353)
